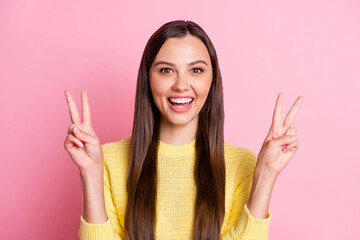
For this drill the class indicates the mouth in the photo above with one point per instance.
(180, 102)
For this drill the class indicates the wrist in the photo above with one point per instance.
(92, 182)
(261, 190)
(92, 173)
(265, 173)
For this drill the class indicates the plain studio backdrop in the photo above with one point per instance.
(308, 48)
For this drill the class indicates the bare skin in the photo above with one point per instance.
(84, 148)
(279, 147)
(185, 70)
(180, 76)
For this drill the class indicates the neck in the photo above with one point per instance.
(178, 134)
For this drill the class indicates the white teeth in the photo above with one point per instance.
(180, 100)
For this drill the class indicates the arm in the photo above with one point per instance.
(93, 196)
(242, 225)
(87, 153)
(263, 184)
(98, 226)
(278, 148)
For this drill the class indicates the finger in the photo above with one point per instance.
(72, 126)
(74, 114)
(294, 149)
(291, 146)
(70, 129)
(71, 139)
(85, 107)
(291, 114)
(86, 138)
(283, 140)
(277, 111)
(291, 131)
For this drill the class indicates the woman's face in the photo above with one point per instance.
(180, 79)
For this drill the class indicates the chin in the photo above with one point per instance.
(180, 120)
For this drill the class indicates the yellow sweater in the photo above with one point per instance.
(177, 192)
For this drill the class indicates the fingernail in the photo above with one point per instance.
(81, 144)
(291, 131)
(294, 137)
(75, 129)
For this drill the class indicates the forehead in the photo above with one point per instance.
(183, 50)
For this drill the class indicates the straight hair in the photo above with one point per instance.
(209, 172)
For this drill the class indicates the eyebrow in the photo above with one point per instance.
(171, 64)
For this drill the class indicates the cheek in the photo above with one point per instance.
(155, 89)
(158, 90)
(203, 88)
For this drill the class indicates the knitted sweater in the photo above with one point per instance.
(176, 193)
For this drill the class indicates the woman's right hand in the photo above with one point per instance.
(81, 143)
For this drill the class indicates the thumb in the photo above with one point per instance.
(283, 140)
(291, 131)
(84, 137)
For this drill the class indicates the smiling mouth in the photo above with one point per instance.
(180, 102)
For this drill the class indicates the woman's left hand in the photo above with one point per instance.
(281, 143)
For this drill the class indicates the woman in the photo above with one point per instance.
(175, 178)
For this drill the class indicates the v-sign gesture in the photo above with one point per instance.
(81, 142)
(281, 142)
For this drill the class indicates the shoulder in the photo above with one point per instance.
(119, 146)
(117, 153)
(239, 159)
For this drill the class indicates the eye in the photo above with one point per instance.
(197, 70)
(165, 70)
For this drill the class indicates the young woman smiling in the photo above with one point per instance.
(175, 177)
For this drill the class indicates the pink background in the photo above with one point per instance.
(309, 48)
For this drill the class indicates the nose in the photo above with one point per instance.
(181, 83)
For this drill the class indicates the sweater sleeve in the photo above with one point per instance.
(242, 225)
(109, 230)
(247, 227)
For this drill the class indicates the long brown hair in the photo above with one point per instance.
(209, 174)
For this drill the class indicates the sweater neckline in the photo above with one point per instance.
(170, 149)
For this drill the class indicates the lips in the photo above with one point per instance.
(180, 104)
